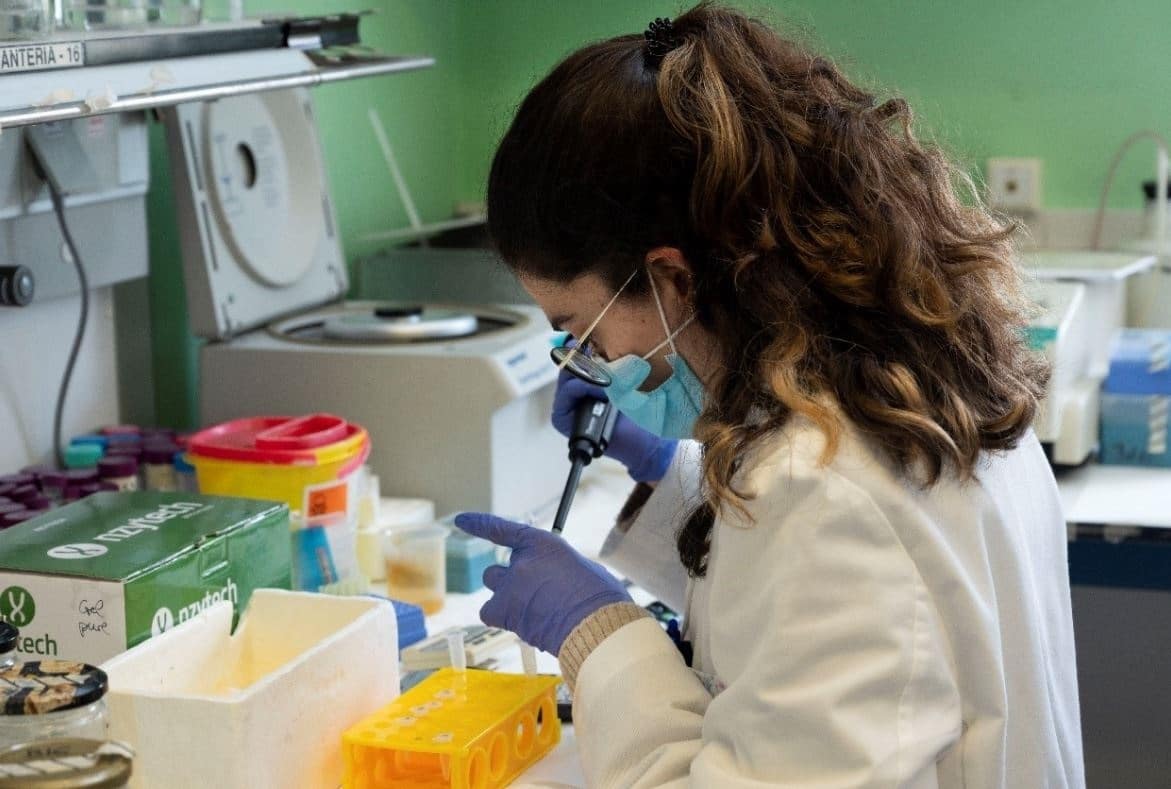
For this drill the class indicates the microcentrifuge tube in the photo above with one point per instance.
(455, 648)
(528, 657)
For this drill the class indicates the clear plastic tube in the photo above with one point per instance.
(528, 658)
(455, 649)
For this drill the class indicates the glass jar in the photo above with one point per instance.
(70, 763)
(51, 699)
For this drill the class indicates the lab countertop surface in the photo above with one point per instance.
(1116, 495)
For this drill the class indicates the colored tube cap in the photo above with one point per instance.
(101, 441)
(38, 503)
(113, 466)
(159, 454)
(15, 518)
(121, 430)
(125, 449)
(24, 493)
(82, 455)
(54, 479)
(80, 476)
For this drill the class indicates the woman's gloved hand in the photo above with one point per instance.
(547, 589)
(645, 455)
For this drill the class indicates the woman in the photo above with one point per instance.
(864, 532)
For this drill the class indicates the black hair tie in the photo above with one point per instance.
(660, 39)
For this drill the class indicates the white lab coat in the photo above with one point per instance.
(863, 633)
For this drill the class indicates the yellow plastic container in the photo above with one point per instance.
(311, 463)
(234, 459)
(455, 730)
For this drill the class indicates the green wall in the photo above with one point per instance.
(1062, 81)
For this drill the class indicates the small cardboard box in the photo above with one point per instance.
(263, 708)
(92, 579)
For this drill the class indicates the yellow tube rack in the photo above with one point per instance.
(455, 730)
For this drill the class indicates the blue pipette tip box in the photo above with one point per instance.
(411, 622)
(1136, 430)
(1140, 363)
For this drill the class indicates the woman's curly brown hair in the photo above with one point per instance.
(831, 251)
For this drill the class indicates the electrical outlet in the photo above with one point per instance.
(1014, 184)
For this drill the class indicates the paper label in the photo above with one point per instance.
(326, 504)
(66, 618)
(16, 58)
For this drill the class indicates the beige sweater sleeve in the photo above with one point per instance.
(593, 630)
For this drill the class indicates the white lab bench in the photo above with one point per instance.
(1117, 495)
(1121, 590)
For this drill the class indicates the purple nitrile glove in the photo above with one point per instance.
(645, 455)
(547, 589)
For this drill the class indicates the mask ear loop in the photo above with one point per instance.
(671, 335)
(590, 329)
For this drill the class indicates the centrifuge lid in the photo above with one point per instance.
(392, 323)
(400, 325)
(256, 219)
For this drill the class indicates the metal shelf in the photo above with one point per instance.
(38, 97)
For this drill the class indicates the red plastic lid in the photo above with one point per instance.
(272, 439)
(307, 432)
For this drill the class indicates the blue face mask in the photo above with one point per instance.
(671, 409)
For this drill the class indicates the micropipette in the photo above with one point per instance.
(593, 423)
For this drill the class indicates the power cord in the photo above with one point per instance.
(58, 201)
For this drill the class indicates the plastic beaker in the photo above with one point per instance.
(416, 566)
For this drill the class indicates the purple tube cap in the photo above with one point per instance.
(14, 507)
(24, 492)
(18, 479)
(80, 476)
(121, 430)
(161, 454)
(54, 479)
(13, 518)
(38, 503)
(128, 450)
(117, 466)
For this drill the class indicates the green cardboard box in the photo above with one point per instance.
(92, 579)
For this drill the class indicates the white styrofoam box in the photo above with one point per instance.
(265, 707)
